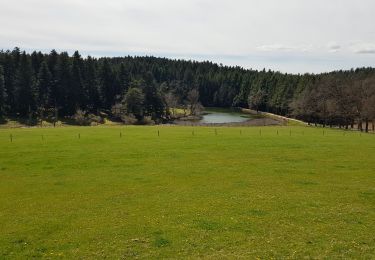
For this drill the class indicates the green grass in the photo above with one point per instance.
(224, 196)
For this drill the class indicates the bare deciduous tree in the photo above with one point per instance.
(256, 98)
(193, 103)
(172, 102)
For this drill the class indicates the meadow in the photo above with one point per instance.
(187, 192)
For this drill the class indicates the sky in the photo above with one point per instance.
(294, 36)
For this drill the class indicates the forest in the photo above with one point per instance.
(38, 86)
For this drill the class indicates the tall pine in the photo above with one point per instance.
(52, 61)
(43, 87)
(10, 71)
(92, 84)
(3, 94)
(124, 78)
(63, 82)
(154, 105)
(107, 86)
(25, 87)
(77, 93)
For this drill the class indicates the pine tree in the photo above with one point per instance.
(107, 86)
(10, 71)
(16, 54)
(63, 82)
(25, 87)
(77, 91)
(36, 61)
(43, 86)
(52, 61)
(134, 101)
(3, 94)
(154, 105)
(124, 78)
(92, 84)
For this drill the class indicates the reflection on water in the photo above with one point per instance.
(213, 117)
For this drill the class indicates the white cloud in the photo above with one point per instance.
(275, 47)
(284, 48)
(334, 47)
(364, 48)
(271, 29)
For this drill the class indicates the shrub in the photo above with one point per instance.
(129, 119)
(147, 120)
(94, 120)
(82, 118)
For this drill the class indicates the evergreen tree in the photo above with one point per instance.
(10, 71)
(43, 86)
(36, 61)
(16, 54)
(154, 104)
(107, 86)
(124, 78)
(134, 101)
(52, 60)
(92, 84)
(3, 94)
(77, 92)
(25, 87)
(63, 83)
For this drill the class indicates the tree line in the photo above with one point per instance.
(57, 85)
(338, 99)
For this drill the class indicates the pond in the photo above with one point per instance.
(223, 116)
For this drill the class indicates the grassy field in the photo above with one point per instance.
(188, 193)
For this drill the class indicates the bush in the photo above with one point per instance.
(82, 118)
(147, 120)
(94, 120)
(129, 119)
(118, 111)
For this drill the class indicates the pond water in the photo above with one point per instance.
(223, 117)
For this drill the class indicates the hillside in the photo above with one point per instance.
(56, 85)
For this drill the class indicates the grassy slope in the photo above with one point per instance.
(180, 195)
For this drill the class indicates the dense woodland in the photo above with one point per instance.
(53, 86)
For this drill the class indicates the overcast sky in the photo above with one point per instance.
(285, 35)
